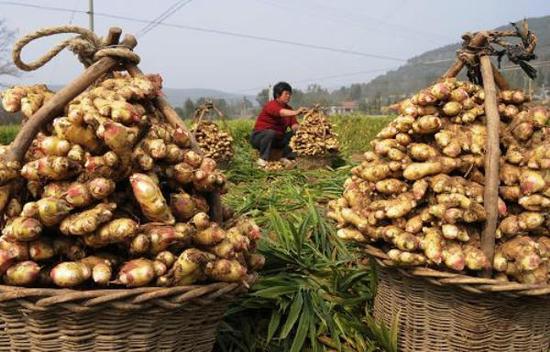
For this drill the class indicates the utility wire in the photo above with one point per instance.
(216, 31)
(73, 12)
(316, 79)
(313, 80)
(149, 25)
(227, 33)
(537, 64)
(156, 22)
(159, 20)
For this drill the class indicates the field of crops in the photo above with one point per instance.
(313, 295)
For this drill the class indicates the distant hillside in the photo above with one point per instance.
(415, 75)
(9, 118)
(177, 96)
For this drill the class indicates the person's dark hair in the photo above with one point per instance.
(279, 88)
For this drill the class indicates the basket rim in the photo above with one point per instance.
(125, 298)
(468, 283)
(328, 155)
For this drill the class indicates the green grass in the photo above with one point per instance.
(356, 131)
(7, 133)
(313, 292)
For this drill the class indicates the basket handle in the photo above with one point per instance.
(49, 110)
(492, 158)
(490, 75)
(199, 115)
(221, 115)
(52, 107)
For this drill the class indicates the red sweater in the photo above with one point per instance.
(270, 118)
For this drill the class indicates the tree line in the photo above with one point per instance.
(238, 108)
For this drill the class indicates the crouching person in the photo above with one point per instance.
(275, 125)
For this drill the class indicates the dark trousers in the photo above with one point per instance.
(266, 139)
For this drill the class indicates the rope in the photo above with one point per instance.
(516, 53)
(87, 46)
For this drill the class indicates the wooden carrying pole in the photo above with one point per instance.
(455, 69)
(492, 157)
(199, 115)
(491, 79)
(501, 82)
(55, 105)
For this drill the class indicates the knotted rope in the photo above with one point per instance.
(86, 45)
(516, 53)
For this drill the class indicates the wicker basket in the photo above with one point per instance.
(444, 311)
(441, 311)
(276, 154)
(223, 165)
(141, 319)
(313, 163)
(181, 318)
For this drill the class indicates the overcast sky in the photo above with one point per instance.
(396, 29)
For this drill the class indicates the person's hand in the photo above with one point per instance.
(295, 127)
(301, 110)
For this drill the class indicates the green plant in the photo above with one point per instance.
(386, 337)
(311, 294)
(357, 131)
(8, 133)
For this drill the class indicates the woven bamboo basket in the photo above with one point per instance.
(441, 311)
(143, 319)
(182, 318)
(314, 162)
(223, 165)
(276, 154)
